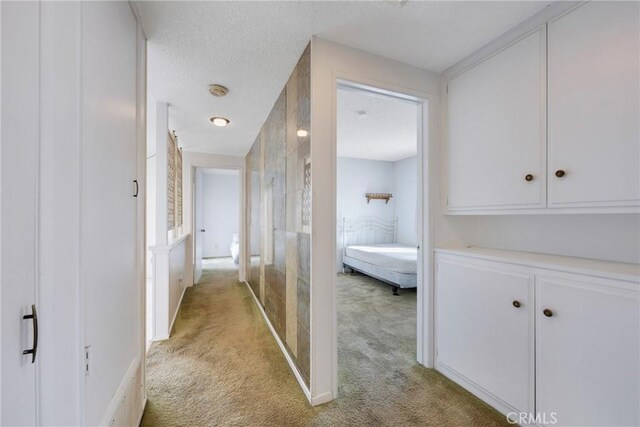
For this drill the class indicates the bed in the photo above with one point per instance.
(369, 246)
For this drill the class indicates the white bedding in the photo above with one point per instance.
(392, 256)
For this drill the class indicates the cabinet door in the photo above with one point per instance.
(109, 230)
(587, 352)
(20, 378)
(496, 130)
(480, 333)
(594, 55)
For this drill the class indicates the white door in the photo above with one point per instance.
(594, 106)
(109, 230)
(198, 225)
(587, 351)
(484, 328)
(19, 260)
(496, 130)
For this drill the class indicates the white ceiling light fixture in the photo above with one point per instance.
(219, 121)
(218, 90)
(302, 133)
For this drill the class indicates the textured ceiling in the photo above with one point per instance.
(387, 132)
(251, 47)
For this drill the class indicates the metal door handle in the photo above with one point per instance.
(202, 230)
(34, 318)
(135, 181)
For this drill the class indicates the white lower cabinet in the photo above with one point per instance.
(545, 338)
(485, 328)
(587, 351)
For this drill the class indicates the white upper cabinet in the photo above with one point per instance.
(496, 130)
(594, 113)
(576, 81)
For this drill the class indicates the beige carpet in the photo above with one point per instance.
(222, 367)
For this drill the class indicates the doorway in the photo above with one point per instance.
(379, 231)
(216, 222)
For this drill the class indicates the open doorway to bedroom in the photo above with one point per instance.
(216, 222)
(378, 200)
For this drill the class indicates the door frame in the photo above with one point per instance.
(193, 167)
(424, 317)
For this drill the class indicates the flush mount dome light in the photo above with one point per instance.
(219, 121)
(302, 133)
(218, 90)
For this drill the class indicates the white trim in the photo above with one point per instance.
(484, 395)
(192, 161)
(120, 393)
(317, 400)
(321, 399)
(144, 400)
(542, 210)
(530, 25)
(620, 271)
(504, 44)
(173, 244)
(424, 335)
(331, 62)
(175, 315)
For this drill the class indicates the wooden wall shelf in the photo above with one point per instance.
(379, 196)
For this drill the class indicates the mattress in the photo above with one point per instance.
(390, 256)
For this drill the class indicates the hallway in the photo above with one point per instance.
(223, 367)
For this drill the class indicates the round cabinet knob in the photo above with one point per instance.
(516, 304)
(528, 177)
(560, 173)
(547, 312)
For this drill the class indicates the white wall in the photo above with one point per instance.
(614, 237)
(405, 197)
(177, 272)
(198, 216)
(151, 208)
(221, 208)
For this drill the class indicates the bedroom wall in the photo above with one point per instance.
(355, 177)
(220, 207)
(278, 199)
(405, 196)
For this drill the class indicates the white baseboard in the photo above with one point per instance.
(319, 399)
(123, 396)
(322, 398)
(484, 395)
(177, 310)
